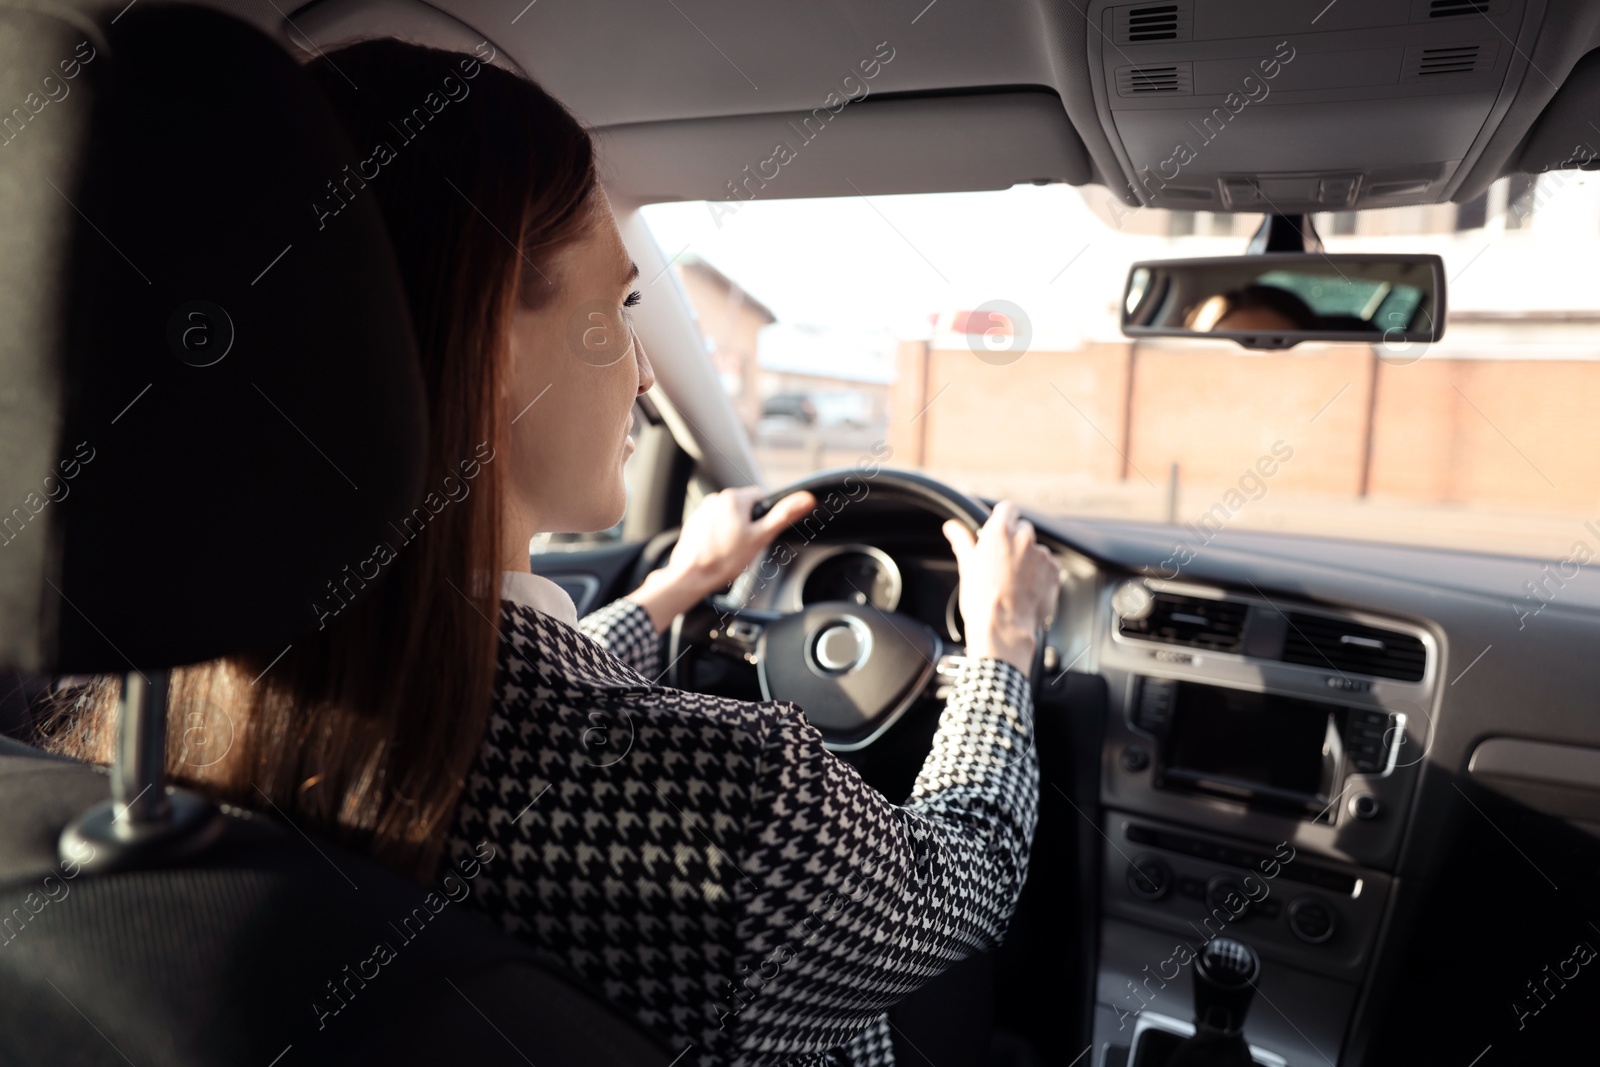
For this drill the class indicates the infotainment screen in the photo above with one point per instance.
(1271, 750)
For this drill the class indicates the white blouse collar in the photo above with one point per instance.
(540, 594)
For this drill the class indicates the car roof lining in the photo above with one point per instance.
(723, 60)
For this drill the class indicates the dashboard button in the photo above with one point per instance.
(1311, 920)
(1234, 857)
(1226, 896)
(1365, 806)
(1154, 707)
(1149, 877)
(1135, 758)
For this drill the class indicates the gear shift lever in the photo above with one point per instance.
(1225, 973)
(1224, 984)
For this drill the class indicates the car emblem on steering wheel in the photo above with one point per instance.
(840, 646)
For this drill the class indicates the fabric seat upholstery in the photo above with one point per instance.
(168, 496)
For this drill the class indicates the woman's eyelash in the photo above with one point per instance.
(633, 299)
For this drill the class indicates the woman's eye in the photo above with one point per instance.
(633, 299)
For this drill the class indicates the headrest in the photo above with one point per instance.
(210, 404)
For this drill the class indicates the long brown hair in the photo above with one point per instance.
(365, 729)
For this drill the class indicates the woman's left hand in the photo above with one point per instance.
(719, 540)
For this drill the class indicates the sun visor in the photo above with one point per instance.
(921, 144)
(1565, 137)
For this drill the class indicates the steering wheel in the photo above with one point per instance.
(853, 667)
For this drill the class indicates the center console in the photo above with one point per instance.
(1258, 763)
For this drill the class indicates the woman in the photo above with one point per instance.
(719, 875)
(1252, 307)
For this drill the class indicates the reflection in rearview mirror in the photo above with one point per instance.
(1278, 299)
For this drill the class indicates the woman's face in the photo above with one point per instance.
(576, 369)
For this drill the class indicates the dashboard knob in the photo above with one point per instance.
(1227, 896)
(1366, 806)
(1311, 920)
(1133, 600)
(1149, 877)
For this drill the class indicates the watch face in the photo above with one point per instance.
(1132, 600)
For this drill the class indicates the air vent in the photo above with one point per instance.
(1442, 63)
(1172, 79)
(1193, 621)
(1449, 9)
(1151, 23)
(1448, 60)
(1336, 644)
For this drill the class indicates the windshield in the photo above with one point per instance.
(974, 336)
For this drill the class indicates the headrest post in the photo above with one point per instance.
(144, 824)
(138, 777)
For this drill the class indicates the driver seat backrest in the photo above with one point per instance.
(207, 408)
(267, 945)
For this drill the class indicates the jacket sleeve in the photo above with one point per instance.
(624, 629)
(850, 902)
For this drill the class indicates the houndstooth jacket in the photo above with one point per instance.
(710, 867)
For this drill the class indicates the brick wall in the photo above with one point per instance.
(1514, 432)
(1216, 412)
(1507, 432)
(1044, 414)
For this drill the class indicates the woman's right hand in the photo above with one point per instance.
(1009, 586)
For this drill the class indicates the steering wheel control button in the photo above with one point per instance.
(1149, 877)
(1311, 920)
(1135, 758)
(1366, 806)
(744, 630)
(842, 646)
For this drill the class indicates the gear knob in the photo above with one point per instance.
(1224, 983)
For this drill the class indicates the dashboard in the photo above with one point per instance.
(1302, 748)
(1257, 768)
(1275, 745)
(918, 580)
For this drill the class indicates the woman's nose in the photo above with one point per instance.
(647, 374)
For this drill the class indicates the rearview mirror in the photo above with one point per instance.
(1278, 299)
